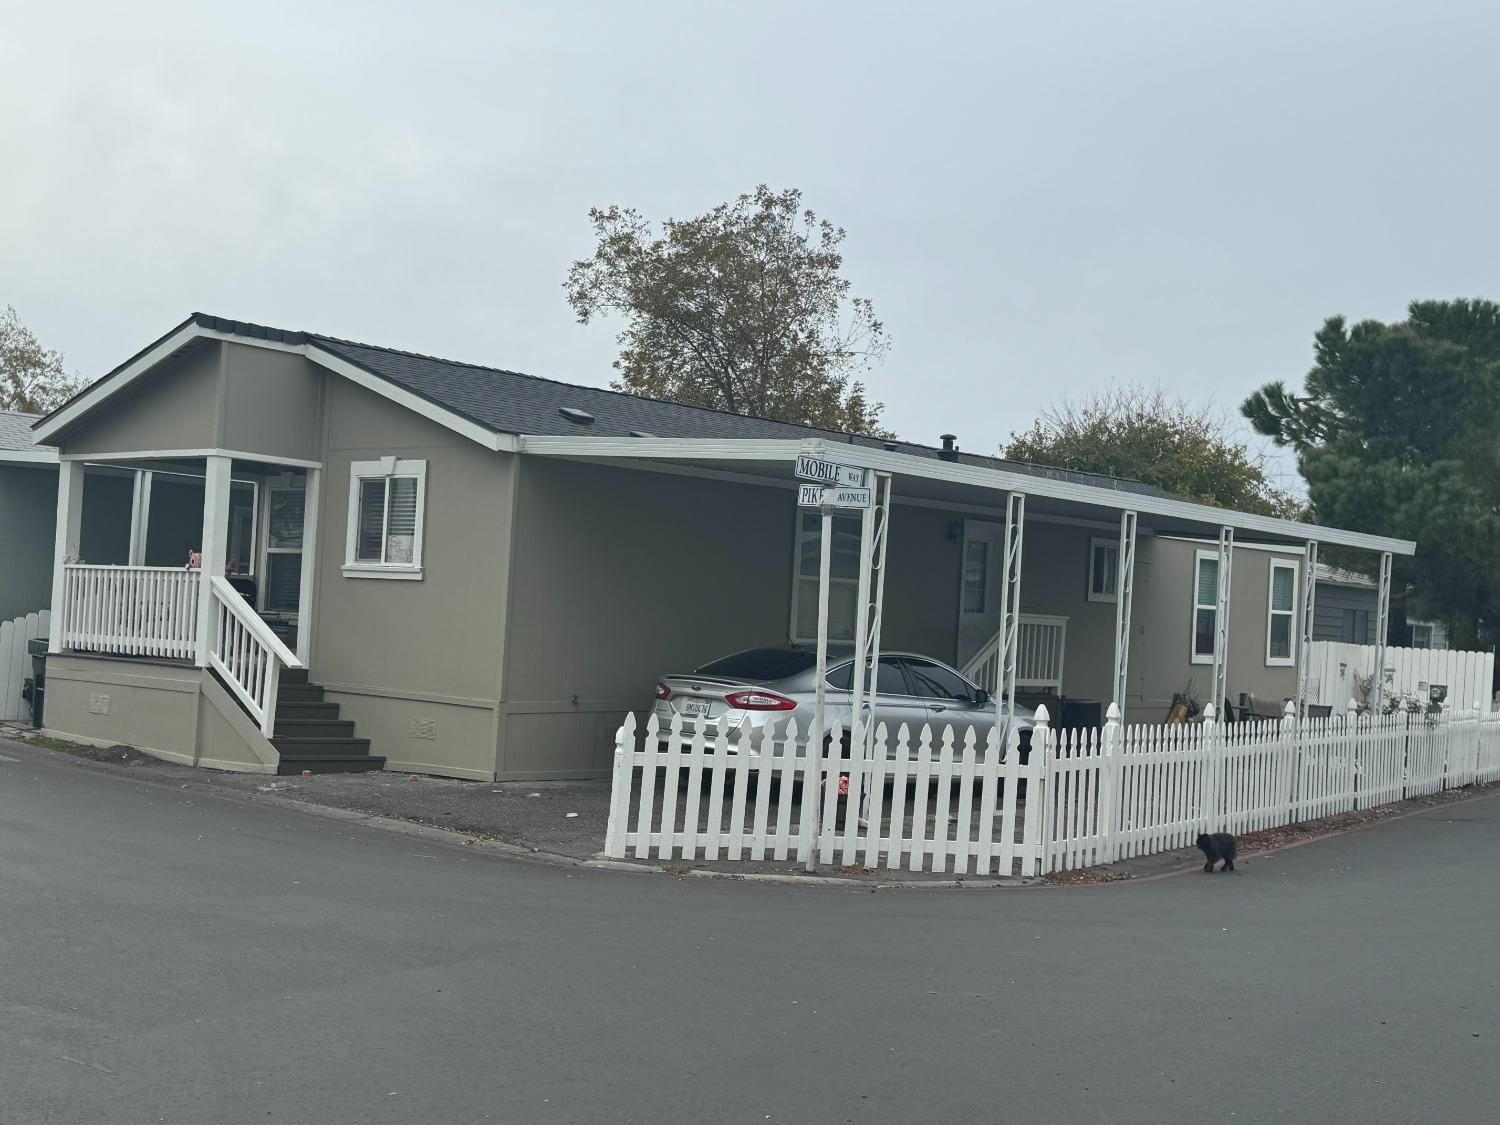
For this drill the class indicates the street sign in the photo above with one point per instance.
(816, 496)
(829, 472)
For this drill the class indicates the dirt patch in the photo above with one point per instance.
(1269, 839)
(115, 755)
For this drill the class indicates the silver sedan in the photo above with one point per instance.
(745, 692)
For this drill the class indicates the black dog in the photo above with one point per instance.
(1215, 847)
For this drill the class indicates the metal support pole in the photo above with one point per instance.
(815, 736)
(140, 516)
(1010, 613)
(1309, 597)
(69, 528)
(1124, 595)
(1382, 627)
(861, 631)
(875, 610)
(1221, 619)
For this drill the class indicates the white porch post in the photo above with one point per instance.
(1382, 627)
(215, 545)
(1010, 612)
(1309, 598)
(311, 506)
(1221, 620)
(140, 516)
(1124, 595)
(65, 550)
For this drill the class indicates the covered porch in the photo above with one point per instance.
(203, 559)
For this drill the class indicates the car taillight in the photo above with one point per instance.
(663, 691)
(759, 701)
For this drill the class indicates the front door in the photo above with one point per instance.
(979, 586)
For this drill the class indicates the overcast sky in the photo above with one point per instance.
(1040, 199)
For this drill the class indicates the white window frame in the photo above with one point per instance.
(1290, 659)
(1194, 655)
(1095, 542)
(1427, 625)
(799, 537)
(384, 469)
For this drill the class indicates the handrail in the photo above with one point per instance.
(236, 604)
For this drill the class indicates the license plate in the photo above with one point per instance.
(695, 708)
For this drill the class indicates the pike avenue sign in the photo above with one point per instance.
(816, 496)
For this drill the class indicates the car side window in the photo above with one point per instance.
(890, 680)
(936, 682)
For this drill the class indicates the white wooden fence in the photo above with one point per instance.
(1335, 670)
(136, 610)
(944, 803)
(15, 661)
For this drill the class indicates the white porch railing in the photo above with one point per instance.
(1041, 643)
(245, 651)
(940, 801)
(129, 610)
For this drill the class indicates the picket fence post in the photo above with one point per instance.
(1044, 790)
(1210, 781)
(1109, 799)
(619, 794)
(1290, 741)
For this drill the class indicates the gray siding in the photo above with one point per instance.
(1329, 606)
(177, 407)
(28, 514)
(416, 656)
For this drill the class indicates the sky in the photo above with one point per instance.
(1041, 199)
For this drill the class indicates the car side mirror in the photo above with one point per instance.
(981, 697)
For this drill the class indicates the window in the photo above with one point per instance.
(1356, 627)
(1280, 609)
(386, 502)
(283, 586)
(1205, 606)
(892, 682)
(1421, 636)
(243, 497)
(976, 575)
(933, 681)
(1104, 570)
(843, 578)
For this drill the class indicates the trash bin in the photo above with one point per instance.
(35, 688)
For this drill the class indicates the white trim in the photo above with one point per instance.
(1194, 656)
(312, 496)
(413, 402)
(1290, 614)
(165, 454)
(931, 468)
(1095, 542)
(386, 469)
(28, 456)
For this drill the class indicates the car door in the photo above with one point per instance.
(894, 702)
(950, 700)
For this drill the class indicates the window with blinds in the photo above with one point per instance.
(843, 578)
(1280, 609)
(1104, 570)
(1205, 608)
(385, 520)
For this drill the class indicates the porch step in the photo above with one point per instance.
(330, 763)
(290, 676)
(320, 727)
(297, 712)
(298, 693)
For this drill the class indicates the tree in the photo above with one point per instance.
(1395, 434)
(742, 309)
(32, 378)
(1143, 434)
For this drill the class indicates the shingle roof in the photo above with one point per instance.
(15, 430)
(1339, 576)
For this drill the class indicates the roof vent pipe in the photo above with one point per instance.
(949, 451)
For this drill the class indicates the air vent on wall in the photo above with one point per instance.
(573, 414)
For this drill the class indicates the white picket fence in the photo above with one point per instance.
(15, 661)
(946, 803)
(1334, 667)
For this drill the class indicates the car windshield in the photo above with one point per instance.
(761, 664)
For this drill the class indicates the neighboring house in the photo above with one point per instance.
(1346, 609)
(28, 506)
(483, 571)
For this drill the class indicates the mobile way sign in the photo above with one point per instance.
(816, 496)
(829, 472)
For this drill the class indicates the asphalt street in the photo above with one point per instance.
(175, 956)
